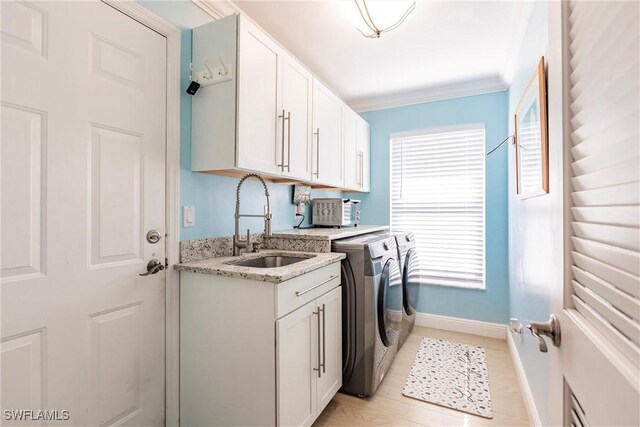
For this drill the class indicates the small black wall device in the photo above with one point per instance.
(193, 88)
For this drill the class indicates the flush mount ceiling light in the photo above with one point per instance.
(381, 16)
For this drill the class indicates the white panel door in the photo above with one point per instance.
(327, 128)
(330, 379)
(260, 103)
(298, 361)
(295, 146)
(83, 180)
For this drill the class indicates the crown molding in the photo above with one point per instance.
(436, 93)
(217, 8)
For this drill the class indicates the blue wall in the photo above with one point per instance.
(214, 196)
(532, 246)
(492, 304)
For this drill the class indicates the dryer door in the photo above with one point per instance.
(390, 303)
(411, 281)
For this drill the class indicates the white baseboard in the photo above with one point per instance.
(455, 324)
(534, 418)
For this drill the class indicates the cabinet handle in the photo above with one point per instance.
(358, 166)
(324, 338)
(281, 165)
(317, 172)
(318, 369)
(361, 169)
(300, 293)
(288, 142)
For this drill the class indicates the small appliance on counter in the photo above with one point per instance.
(336, 212)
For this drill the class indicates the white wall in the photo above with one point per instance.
(533, 253)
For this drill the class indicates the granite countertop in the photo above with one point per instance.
(327, 234)
(221, 266)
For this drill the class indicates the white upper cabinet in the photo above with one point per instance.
(294, 149)
(327, 136)
(363, 154)
(350, 144)
(269, 114)
(355, 131)
(259, 103)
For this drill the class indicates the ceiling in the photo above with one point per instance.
(444, 48)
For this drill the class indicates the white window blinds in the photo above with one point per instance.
(437, 192)
(605, 106)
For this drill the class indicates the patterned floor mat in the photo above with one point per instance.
(452, 375)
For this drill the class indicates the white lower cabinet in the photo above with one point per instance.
(309, 359)
(330, 379)
(259, 354)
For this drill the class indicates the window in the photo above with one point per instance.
(437, 192)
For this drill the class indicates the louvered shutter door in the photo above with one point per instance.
(437, 192)
(605, 111)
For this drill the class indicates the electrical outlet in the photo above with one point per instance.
(515, 326)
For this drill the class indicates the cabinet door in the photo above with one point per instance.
(259, 101)
(363, 153)
(330, 316)
(327, 128)
(351, 157)
(297, 356)
(294, 149)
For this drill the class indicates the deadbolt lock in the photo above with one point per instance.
(153, 236)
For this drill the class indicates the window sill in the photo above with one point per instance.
(481, 287)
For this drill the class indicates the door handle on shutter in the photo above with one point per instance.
(324, 338)
(282, 165)
(317, 172)
(318, 369)
(549, 329)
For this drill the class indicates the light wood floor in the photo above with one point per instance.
(388, 407)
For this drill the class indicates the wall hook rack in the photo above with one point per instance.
(210, 76)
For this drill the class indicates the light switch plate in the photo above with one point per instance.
(188, 216)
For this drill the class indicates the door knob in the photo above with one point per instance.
(549, 329)
(153, 267)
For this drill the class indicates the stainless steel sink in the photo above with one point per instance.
(270, 261)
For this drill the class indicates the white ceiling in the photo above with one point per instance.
(443, 49)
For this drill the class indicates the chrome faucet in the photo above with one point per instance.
(238, 243)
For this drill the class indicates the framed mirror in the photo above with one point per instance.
(532, 148)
